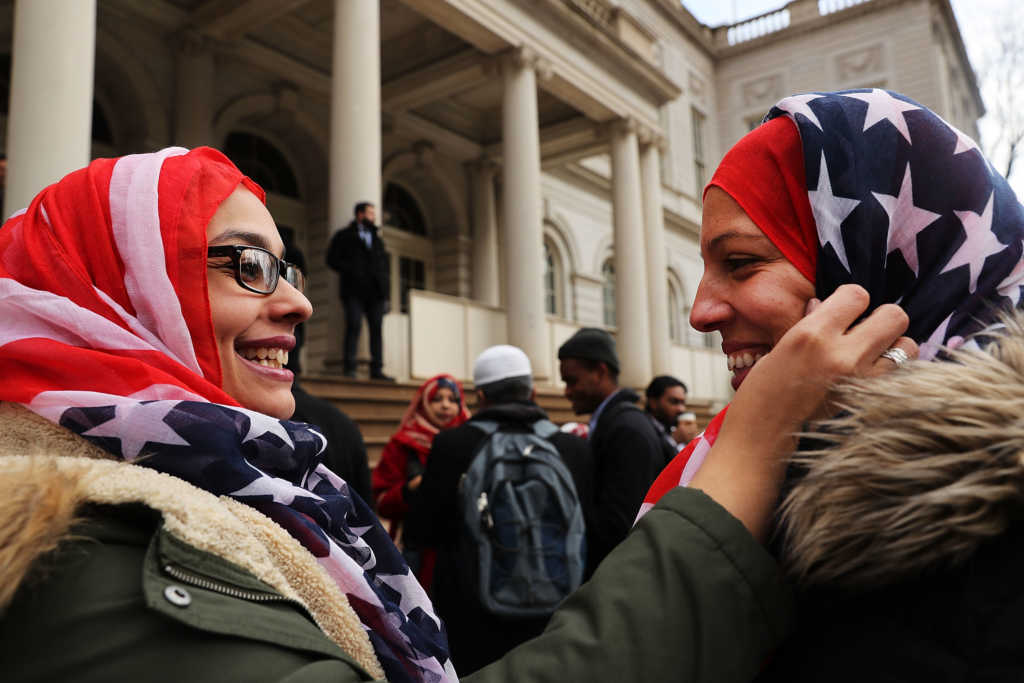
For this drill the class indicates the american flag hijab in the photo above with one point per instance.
(869, 187)
(107, 331)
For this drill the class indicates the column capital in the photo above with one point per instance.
(647, 135)
(525, 57)
(623, 126)
(485, 166)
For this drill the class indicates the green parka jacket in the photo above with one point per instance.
(110, 571)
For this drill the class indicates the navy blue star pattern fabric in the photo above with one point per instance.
(907, 207)
(275, 466)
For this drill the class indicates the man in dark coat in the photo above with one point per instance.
(502, 376)
(627, 449)
(357, 253)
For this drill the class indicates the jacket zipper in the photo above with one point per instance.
(224, 589)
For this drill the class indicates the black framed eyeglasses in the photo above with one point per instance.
(257, 269)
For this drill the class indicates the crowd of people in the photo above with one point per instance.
(173, 506)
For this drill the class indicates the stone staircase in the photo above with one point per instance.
(377, 407)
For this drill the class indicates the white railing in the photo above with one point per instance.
(793, 13)
(446, 334)
(830, 6)
(758, 26)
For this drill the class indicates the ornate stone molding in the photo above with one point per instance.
(485, 166)
(647, 135)
(624, 126)
(859, 63)
(525, 57)
(762, 90)
(697, 85)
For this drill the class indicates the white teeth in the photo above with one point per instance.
(268, 357)
(742, 360)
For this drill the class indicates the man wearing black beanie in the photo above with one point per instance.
(627, 449)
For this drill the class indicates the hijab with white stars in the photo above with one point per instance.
(107, 332)
(871, 188)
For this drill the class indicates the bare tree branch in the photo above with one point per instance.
(1002, 85)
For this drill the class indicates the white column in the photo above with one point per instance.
(355, 146)
(633, 338)
(657, 285)
(355, 160)
(49, 129)
(485, 235)
(521, 210)
(193, 105)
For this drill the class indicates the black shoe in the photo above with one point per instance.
(381, 377)
(349, 373)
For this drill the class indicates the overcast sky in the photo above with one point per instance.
(977, 20)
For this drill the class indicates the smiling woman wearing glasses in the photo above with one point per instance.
(254, 309)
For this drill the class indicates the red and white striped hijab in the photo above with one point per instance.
(105, 328)
(103, 282)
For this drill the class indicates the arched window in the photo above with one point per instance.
(675, 323)
(608, 292)
(402, 211)
(261, 161)
(552, 280)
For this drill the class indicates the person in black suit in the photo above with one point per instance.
(357, 253)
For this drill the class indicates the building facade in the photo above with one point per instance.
(538, 162)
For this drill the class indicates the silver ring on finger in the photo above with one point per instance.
(896, 355)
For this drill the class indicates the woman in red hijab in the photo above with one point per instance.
(439, 404)
(147, 313)
(899, 544)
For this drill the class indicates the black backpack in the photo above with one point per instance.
(522, 540)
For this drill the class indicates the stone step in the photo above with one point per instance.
(378, 407)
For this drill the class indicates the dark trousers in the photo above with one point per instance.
(355, 309)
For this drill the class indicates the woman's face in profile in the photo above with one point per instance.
(254, 332)
(749, 292)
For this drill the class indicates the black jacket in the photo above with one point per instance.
(628, 456)
(476, 637)
(346, 452)
(364, 273)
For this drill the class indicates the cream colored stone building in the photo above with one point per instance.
(539, 162)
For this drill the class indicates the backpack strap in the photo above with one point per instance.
(488, 427)
(545, 429)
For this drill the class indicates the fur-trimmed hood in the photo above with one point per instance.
(923, 466)
(41, 492)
